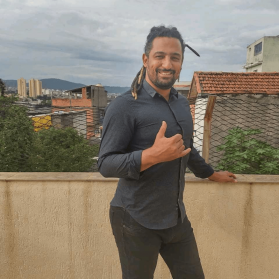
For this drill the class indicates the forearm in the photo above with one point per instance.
(198, 165)
(121, 165)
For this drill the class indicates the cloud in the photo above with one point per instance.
(102, 41)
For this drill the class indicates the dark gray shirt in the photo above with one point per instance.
(130, 126)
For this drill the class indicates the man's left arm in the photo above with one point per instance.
(201, 169)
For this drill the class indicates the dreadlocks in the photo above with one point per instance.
(160, 31)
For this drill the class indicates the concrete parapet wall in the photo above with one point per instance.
(56, 225)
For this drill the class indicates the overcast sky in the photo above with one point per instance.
(91, 42)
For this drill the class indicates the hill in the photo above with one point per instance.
(59, 84)
(116, 89)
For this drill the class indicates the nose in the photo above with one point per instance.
(166, 63)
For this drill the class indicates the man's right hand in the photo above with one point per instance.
(164, 149)
(168, 149)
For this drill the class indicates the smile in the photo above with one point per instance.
(165, 73)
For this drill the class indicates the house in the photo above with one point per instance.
(263, 55)
(92, 98)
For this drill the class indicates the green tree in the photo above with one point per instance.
(16, 136)
(23, 150)
(2, 87)
(243, 153)
(62, 150)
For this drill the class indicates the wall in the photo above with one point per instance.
(77, 105)
(56, 225)
(99, 97)
(71, 102)
(258, 68)
(73, 119)
(271, 54)
(41, 122)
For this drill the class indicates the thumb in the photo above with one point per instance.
(162, 130)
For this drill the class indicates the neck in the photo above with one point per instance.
(163, 92)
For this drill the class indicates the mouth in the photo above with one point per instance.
(165, 73)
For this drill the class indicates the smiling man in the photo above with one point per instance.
(147, 143)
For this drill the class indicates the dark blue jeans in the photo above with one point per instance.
(139, 248)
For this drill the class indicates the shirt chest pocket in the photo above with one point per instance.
(145, 135)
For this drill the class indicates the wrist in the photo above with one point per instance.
(151, 156)
(213, 176)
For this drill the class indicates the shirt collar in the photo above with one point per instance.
(152, 92)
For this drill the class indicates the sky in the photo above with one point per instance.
(91, 42)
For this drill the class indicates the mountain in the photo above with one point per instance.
(116, 89)
(59, 84)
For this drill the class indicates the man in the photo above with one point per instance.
(147, 143)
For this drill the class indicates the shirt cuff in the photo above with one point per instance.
(135, 165)
(208, 172)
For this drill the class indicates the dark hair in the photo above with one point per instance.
(155, 32)
(162, 31)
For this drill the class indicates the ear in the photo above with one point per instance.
(144, 60)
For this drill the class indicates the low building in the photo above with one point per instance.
(182, 87)
(93, 100)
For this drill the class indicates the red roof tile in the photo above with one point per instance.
(230, 82)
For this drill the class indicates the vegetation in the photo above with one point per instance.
(244, 154)
(62, 151)
(22, 149)
(2, 87)
(16, 136)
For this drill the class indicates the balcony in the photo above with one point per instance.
(56, 225)
(251, 65)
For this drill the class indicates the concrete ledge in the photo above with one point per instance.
(56, 225)
(96, 176)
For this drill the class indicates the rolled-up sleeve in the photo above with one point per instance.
(198, 165)
(118, 128)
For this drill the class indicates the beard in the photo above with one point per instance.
(159, 82)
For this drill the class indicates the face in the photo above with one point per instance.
(164, 63)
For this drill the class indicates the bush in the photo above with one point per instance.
(62, 151)
(244, 154)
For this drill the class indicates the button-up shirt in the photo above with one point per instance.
(130, 126)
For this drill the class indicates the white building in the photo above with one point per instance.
(263, 55)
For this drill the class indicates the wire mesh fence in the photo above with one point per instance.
(238, 132)
(244, 132)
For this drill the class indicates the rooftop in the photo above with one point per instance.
(231, 82)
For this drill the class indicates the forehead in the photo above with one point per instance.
(165, 44)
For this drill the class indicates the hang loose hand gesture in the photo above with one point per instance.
(164, 149)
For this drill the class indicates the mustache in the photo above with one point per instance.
(165, 70)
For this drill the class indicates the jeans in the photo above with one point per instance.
(139, 248)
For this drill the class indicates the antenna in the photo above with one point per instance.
(192, 49)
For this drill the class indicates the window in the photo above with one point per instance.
(258, 48)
